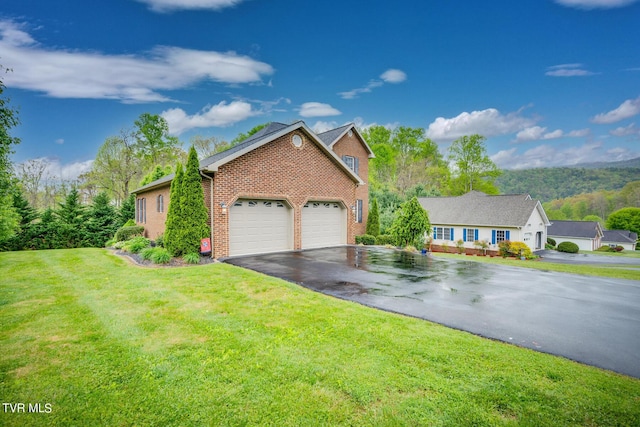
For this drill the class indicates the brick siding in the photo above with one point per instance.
(276, 171)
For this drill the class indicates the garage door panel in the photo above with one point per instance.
(323, 225)
(259, 226)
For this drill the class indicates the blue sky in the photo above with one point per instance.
(548, 82)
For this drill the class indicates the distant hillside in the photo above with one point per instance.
(632, 163)
(548, 184)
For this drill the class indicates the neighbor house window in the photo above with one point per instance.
(352, 162)
(498, 236)
(359, 210)
(443, 233)
(470, 234)
(160, 203)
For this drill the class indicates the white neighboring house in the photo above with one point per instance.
(586, 234)
(624, 238)
(476, 216)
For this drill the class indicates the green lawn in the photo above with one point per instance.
(108, 343)
(614, 271)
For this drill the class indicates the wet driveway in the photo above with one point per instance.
(588, 319)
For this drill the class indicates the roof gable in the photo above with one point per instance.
(331, 137)
(266, 135)
(479, 209)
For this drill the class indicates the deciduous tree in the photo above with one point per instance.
(474, 170)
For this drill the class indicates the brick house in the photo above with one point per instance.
(284, 188)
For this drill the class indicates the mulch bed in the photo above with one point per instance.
(175, 262)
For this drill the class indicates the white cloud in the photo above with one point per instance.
(568, 70)
(127, 78)
(220, 115)
(595, 4)
(171, 5)
(318, 109)
(630, 130)
(489, 122)
(352, 94)
(628, 108)
(549, 156)
(537, 133)
(59, 141)
(56, 171)
(393, 76)
(322, 126)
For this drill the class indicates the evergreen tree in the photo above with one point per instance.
(71, 219)
(174, 214)
(193, 210)
(102, 221)
(411, 224)
(44, 234)
(27, 215)
(373, 220)
(127, 210)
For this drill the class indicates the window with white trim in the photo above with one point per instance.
(160, 203)
(442, 233)
(501, 236)
(471, 234)
(359, 210)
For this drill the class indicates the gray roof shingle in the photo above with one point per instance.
(476, 208)
(619, 236)
(330, 136)
(580, 229)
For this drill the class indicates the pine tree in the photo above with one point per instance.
(373, 220)
(194, 211)
(127, 210)
(102, 221)
(27, 216)
(174, 214)
(71, 217)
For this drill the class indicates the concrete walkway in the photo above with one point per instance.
(588, 319)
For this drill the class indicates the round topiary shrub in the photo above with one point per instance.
(568, 247)
(551, 241)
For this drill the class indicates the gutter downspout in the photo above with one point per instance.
(210, 207)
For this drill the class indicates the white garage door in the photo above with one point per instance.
(259, 226)
(323, 225)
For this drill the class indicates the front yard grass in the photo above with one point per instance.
(108, 343)
(614, 271)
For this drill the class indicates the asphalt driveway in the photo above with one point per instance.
(591, 320)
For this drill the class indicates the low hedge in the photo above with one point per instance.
(551, 241)
(385, 239)
(365, 239)
(568, 247)
(126, 233)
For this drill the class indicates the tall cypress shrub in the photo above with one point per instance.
(373, 220)
(174, 214)
(411, 224)
(192, 205)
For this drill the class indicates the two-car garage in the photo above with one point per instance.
(262, 226)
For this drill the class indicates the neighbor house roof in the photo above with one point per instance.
(619, 236)
(579, 229)
(332, 136)
(267, 134)
(476, 208)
